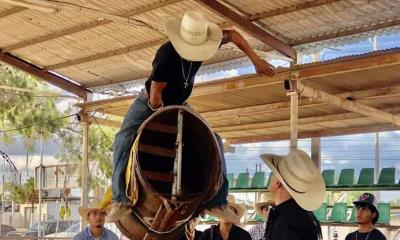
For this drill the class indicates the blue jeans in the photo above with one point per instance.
(137, 114)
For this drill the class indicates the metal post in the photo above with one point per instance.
(294, 111)
(377, 160)
(84, 166)
(39, 216)
(177, 186)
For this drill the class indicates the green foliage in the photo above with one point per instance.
(21, 194)
(18, 110)
(100, 152)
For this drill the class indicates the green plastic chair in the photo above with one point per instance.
(320, 213)
(352, 216)
(230, 178)
(258, 180)
(339, 213)
(366, 177)
(346, 177)
(256, 218)
(209, 218)
(384, 213)
(242, 180)
(386, 178)
(329, 177)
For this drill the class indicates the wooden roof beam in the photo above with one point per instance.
(36, 71)
(305, 103)
(290, 9)
(321, 133)
(250, 27)
(105, 122)
(84, 26)
(302, 121)
(347, 104)
(105, 55)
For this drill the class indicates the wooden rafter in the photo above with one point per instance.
(290, 9)
(347, 104)
(105, 54)
(12, 11)
(302, 121)
(305, 103)
(320, 133)
(45, 75)
(250, 27)
(84, 26)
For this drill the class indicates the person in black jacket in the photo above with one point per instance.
(367, 215)
(298, 188)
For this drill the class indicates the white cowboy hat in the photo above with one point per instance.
(266, 199)
(193, 37)
(95, 204)
(226, 212)
(300, 177)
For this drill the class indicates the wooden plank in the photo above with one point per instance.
(12, 11)
(161, 127)
(85, 26)
(160, 151)
(321, 133)
(290, 9)
(157, 176)
(45, 75)
(347, 104)
(250, 27)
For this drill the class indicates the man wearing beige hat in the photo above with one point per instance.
(262, 208)
(95, 216)
(298, 189)
(192, 40)
(228, 228)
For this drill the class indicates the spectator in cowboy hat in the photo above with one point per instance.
(226, 229)
(367, 215)
(262, 208)
(95, 216)
(192, 40)
(298, 188)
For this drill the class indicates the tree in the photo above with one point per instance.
(21, 194)
(29, 115)
(100, 152)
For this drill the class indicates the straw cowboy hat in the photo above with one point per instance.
(95, 204)
(227, 213)
(267, 199)
(193, 37)
(300, 177)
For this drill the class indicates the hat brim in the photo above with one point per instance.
(258, 207)
(309, 200)
(83, 212)
(191, 52)
(357, 203)
(227, 214)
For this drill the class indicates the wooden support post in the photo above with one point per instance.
(316, 151)
(84, 164)
(294, 118)
(347, 104)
